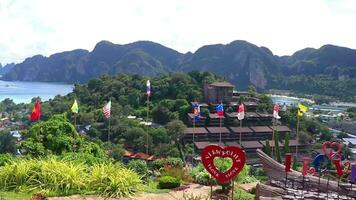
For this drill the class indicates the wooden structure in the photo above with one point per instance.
(218, 92)
(200, 134)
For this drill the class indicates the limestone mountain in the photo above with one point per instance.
(239, 62)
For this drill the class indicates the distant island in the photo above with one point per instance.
(329, 70)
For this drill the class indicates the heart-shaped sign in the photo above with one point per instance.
(331, 153)
(236, 154)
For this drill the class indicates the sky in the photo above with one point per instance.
(31, 27)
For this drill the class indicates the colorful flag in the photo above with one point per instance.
(220, 110)
(287, 162)
(305, 166)
(75, 108)
(36, 111)
(196, 111)
(302, 109)
(275, 111)
(148, 88)
(107, 109)
(241, 112)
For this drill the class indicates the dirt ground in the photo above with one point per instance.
(195, 189)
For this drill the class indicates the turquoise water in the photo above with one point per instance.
(289, 101)
(23, 92)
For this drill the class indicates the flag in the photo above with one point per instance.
(301, 109)
(196, 111)
(275, 111)
(148, 88)
(241, 112)
(287, 162)
(220, 110)
(305, 166)
(36, 111)
(75, 108)
(107, 109)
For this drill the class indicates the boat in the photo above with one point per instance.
(276, 171)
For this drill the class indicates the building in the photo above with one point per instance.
(218, 92)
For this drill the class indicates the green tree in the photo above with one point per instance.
(286, 143)
(7, 142)
(267, 148)
(56, 135)
(175, 131)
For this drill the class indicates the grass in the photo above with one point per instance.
(151, 187)
(56, 176)
(14, 196)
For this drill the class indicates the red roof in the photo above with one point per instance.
(127, 153)
(140, 155)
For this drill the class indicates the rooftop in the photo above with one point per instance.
(202, 145)
(271, 143)
(242, 130)
(266, 115)
(221, 84)
(234, 144)
(280, 128)
(215, 116)
(251, 144)
(251, 115)
(196, 130)
(261, 129)
(218, 130)
(191, 116)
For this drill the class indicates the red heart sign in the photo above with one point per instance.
(331, 145)
(235, 153)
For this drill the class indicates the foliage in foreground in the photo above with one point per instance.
(201, 176)
(168, 182)
(61, 176)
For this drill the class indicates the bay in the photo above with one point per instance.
(23, 92)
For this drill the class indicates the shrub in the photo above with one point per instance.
(201, 176)
(179, 173)
(157, 164)
(113, 180)
(139, 166)
(5, 158)
(65, 177)
(168, 182)
(242, 195)
(84, 158)
(175, 162)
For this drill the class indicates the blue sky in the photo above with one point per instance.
(30, 27)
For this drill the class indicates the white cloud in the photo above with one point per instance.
(46, 27)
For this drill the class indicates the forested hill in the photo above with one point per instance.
(240, 62)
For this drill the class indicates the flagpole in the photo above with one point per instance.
(109, 123)
(240, 131)
(273, 122)
(75, 121)
(193, 139)
(220, 132)
(296, 146)
(109, 130)
(148, 107)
